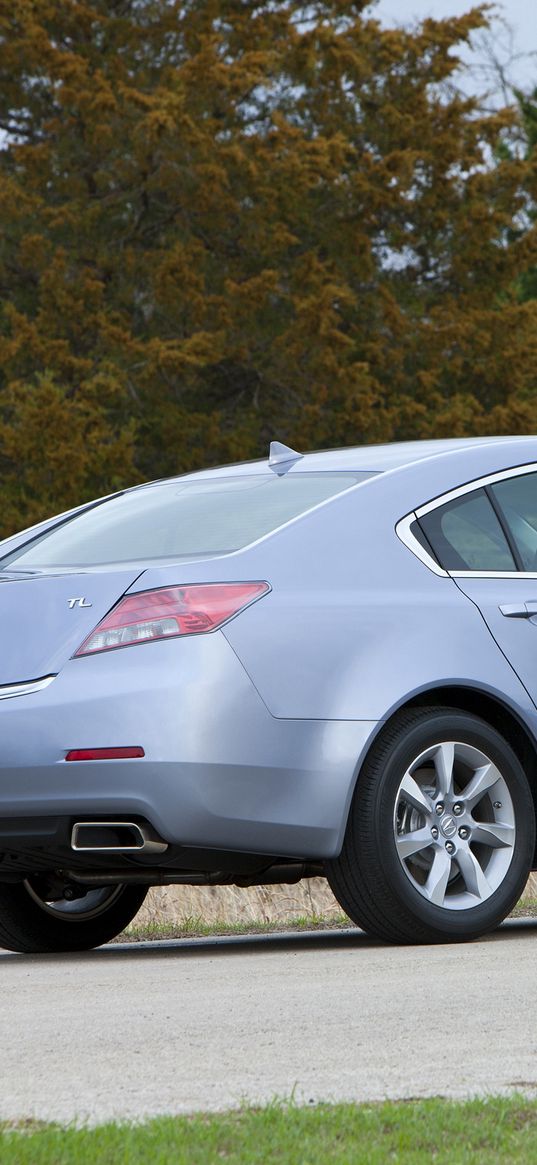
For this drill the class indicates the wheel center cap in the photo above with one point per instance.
(448, 825)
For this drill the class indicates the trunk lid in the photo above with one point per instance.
(45, 616)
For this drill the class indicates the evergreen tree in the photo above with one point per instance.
(226, 220)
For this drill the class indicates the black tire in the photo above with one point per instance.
(386, 892)
(31, 926)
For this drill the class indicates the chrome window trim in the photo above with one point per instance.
(493, 574)
(479, 483)
(26, 688)
(404, 532)
(406, 536)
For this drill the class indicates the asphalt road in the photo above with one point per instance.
(131, 1031)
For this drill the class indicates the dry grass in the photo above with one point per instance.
(174, 904)
(531, 888)
(311, 897)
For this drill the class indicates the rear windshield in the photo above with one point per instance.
(177, 519)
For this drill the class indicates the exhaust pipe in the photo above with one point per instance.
(114, 837)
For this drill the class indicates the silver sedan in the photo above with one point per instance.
(319, 664)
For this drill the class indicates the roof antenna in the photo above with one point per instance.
(281, 457)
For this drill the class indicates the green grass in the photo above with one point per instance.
(195, 927)
(492, 1131)
(526, 908)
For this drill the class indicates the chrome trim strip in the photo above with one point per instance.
(478, 483)
(25, 689)
(493, 574)
(404, 533)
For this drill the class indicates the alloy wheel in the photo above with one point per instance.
(454, 825)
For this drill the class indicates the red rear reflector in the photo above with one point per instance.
(105, 753)
(171, 611)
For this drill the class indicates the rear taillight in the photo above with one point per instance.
(171, 611)
(130, 752)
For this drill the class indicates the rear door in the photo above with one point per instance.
(486, 538)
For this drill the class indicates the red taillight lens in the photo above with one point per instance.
(128, 753)
(170, 611)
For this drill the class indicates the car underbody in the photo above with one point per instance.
(42, 847)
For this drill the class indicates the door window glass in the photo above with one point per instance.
(466, 535)
(517, 499)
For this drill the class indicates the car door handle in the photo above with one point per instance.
(519, 610)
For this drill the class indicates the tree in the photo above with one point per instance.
(527, 103)
(226, 221)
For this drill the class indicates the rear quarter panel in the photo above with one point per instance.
(355, 624)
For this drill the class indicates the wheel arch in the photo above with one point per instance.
(367, 876)
(489, 708)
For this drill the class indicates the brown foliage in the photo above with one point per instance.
(223, 222)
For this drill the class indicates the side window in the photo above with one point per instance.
(465, 534)
(517, 500)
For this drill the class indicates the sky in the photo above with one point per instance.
(520, 15)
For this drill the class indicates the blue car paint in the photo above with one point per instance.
(254, 735)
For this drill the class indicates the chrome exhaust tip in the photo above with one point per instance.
(114, 837)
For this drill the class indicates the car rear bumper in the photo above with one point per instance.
(219, 771)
